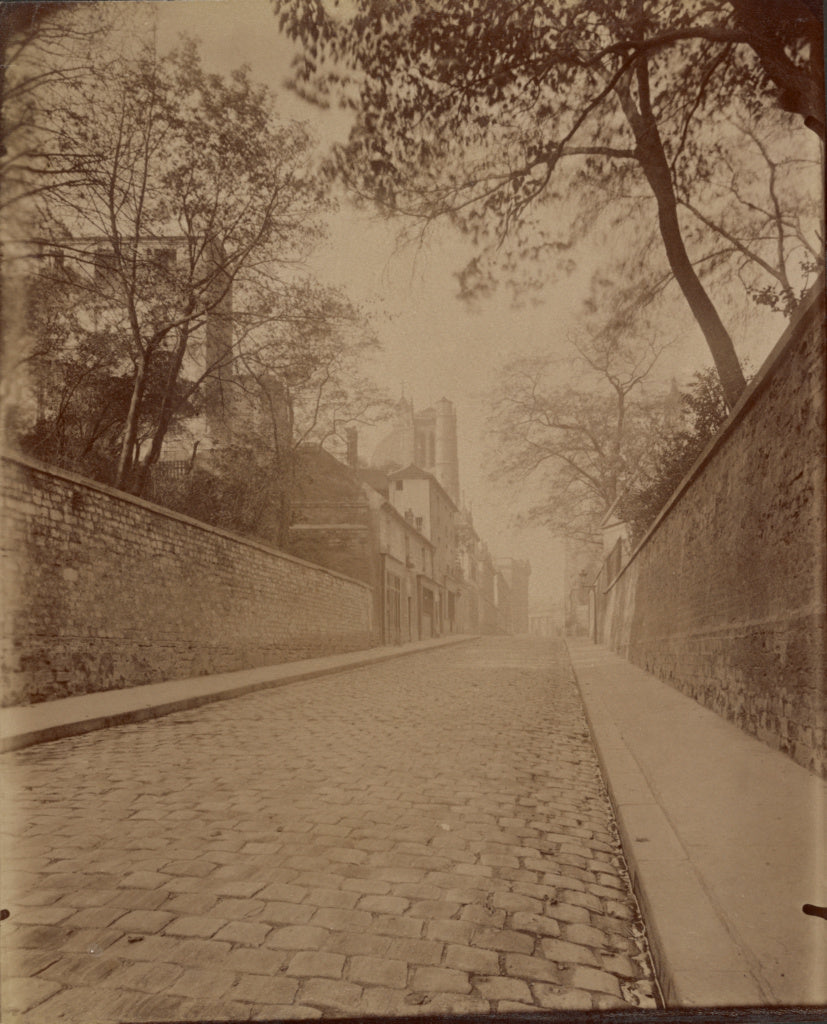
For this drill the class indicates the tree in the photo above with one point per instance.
(703, 411)
(472, 110)
(576, 428)
(299, 386)
(46, 50)
(754, 208)
(80, 390)
(193, 206)
(787, 37)
(304, 387)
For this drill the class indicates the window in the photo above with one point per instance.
(400, 484)
(163, 259)
(104, 263)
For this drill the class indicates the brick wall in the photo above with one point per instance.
(725, 597)
(334, 526)
(104, 591)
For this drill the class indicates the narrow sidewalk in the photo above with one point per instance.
(726, 840)
(23, 726)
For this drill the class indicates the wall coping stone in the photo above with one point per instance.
(810, 312)
(309, 527)
(111, 492)
(23, 725)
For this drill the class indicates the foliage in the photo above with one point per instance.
(754, 209)
(787, 39)
(576, 429)
(315, 352)
(703, 411)
(168, 305)
(490, 113)
(188, 209)
(47, 50)
(300, 387)
(235, 490)
(80, 389)
(295, 381)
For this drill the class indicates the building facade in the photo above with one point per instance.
(422, 500)
(398, 526)
(426, 439)
(347, 523)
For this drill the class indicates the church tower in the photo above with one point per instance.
(446, 459)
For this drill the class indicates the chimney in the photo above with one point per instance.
(352, 448)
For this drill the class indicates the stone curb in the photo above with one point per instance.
(27, 725)
(684, 928)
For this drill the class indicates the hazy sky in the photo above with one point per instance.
(433, 344)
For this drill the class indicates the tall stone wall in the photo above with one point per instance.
(103, 591)
(725, 597)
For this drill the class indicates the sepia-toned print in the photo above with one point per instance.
(413, 511)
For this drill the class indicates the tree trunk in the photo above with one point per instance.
(800, 85)
(131, 425)
(717, 336)
(286, 456)
(652, 159)
(165, 415)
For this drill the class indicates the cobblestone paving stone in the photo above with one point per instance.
(429, 835)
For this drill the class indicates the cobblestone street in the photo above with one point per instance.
(430, 835)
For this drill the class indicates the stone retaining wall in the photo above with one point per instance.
(725, 597)
(102, 591)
